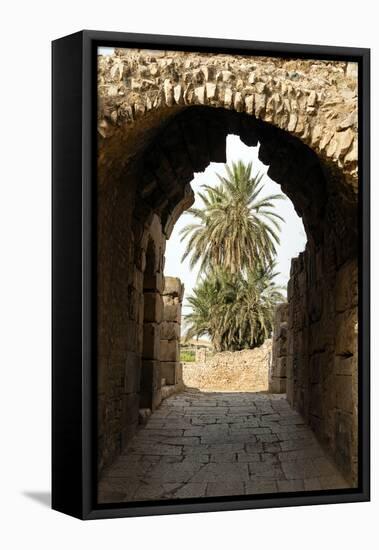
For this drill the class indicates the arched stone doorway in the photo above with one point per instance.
(153, 140)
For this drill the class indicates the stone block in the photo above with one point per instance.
(345, 365)
(281, 342)
(347, 287)
(150, 392)
(315, 304)
(290, 291)
(130, 336)
(343, 440)
(346, 333)
(138, 280)
(278, 385)
(281, 369)
(292, 485)
(316, 400)
(168, 390)
(318, 339)
(283, 329)
(151, 341)
(317, 364)
(225, 488)
(133, 303)
(153, 282)
(130, 405)
(319, 265)
(170, 330)
(302, 283)
(282, 385)
(169, 350)
(152, 307)
(344, 389)
(132, 372)
(150, 375)
(173, 287)
(260, 486)
(299, 469)
(141, 309)
(143, 416)
(157, 398)
(179, 373)
(171, 313)
(281, 312)
(169, 371)
(170, 300)
(139, 338)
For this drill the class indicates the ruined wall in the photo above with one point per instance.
(313, 99)
(130, 283)
(322, 360)
(162, 117)
(118, 313)
(170, 331)
(278, 367)
(245, 370)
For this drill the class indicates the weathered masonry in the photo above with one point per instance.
(164, 116)
(171, 368)
(278, 367)
(315, 355)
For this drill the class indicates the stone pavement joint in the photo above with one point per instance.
(213, 444)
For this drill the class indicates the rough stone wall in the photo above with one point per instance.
(164, 116)
(278, 367)
(130, 284)
(170, 331)
(118, 366)
(245, 370)
(311, 99)
(149, 321)
(322, 360)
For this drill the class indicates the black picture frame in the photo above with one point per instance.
(74, 274)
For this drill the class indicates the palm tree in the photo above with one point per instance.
(234, 309)
(236, 228)
(248, 314)
(205, 305)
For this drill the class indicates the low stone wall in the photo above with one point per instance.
(170, 331)
(278, 368)
(245, 370)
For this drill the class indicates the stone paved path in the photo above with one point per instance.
(210, 444)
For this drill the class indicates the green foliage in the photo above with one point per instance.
(234, 309)
(187, 356)
(234, 239)
(236, 228)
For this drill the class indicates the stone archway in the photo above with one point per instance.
(164, 116)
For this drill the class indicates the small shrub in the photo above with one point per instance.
(187, 356)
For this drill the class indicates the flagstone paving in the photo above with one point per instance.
(201, 444)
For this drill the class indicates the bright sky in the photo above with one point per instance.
(105, 50)
(293, 236)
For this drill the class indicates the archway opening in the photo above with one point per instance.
(291, 234)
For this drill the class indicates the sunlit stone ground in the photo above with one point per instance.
(212, 444)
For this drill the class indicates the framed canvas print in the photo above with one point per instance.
(210, 274)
